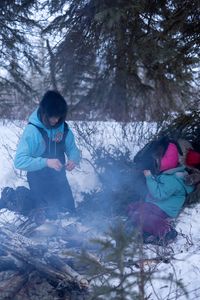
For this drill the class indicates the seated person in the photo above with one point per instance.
(190, 157)
(166, 195)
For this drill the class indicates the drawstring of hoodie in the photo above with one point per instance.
(53, 142)
(50, 138)
(55, 148)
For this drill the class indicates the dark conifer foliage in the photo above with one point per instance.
(119, 59)
(127, 59)
(16, 49)
(18, 56)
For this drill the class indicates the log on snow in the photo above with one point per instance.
(12, 285)
(39, 258)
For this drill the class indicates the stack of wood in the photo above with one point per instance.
(37, 269)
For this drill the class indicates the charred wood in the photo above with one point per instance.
(38, 257)
(10, 287)
(9, 262)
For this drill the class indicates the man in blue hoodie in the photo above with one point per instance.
(42, 149)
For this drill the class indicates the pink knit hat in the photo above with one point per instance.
(170, 158)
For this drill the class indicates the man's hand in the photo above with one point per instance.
(54, 163)
(70, 165)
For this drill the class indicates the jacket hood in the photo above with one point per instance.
(54, 133)
(34, 118)
(179, 169)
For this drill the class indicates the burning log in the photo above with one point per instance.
(12, 285)
(35, 256)
(9, 262)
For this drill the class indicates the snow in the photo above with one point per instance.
(185, 253)
(185, 261)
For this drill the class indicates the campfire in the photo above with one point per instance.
(40, 261)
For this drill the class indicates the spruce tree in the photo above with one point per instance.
(131, 59)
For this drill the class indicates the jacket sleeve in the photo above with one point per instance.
(163, 187)
(72, 151)
(29, 150)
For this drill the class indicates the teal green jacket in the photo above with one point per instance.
(168, 190)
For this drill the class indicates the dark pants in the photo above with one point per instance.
(149, 218)
(50, 190)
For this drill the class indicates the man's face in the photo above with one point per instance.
(53, 121)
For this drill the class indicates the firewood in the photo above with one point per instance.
(10, 287)
(39, 257)
(8, 262)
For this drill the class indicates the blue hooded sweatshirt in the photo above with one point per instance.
(168, 190)
(32, 145)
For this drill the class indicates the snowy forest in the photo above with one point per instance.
(119, 60)
(129, 71)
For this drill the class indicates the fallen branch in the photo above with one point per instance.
(12, 285)
(39, 258)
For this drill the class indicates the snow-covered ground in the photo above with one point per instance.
(185, 260)
(185, 253)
